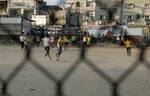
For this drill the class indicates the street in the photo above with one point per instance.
(83, 81)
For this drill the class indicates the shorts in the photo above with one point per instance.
(47, 48)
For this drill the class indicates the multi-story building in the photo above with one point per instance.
(132, 10)
(61, 16)
(103, 7)
(135, 9)
(86, 9)
(42, 8)
(3, 7)
(24, 7)
(21, 7)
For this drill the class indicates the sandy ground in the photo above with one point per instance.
(83, 81)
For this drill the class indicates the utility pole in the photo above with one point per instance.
(78, 18)
(68, 14)
(121, 11)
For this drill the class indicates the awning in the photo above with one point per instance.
(135, 32)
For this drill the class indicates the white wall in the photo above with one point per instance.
(40, 19)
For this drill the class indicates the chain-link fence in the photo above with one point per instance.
(60, 83)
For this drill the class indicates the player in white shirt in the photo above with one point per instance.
(46, 42)
(52, 40)
(22, 40)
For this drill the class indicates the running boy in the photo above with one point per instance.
(59, 47)
(46, 42)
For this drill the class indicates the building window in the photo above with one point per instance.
(130, 17)
(91, 18)
(3, 4)
(147, 17)
(130, 5)
(77, 4)
(147, 5)
(88, 4)
(102, 17)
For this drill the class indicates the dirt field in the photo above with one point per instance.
(84, 81)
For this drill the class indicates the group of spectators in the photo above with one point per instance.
(68, 39)
(59, 41)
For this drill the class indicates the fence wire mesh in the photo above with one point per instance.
(60, 82)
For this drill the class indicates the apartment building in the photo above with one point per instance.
(3, 7)
(135, 9)
(26, 7)
(61, 16)
(132, 11)
(85, 7)
(103, 8)
(85, 10)
(21, 7)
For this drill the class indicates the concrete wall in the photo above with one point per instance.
(24, 5)
(14, 26)
(61, 15)
(40, 19)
